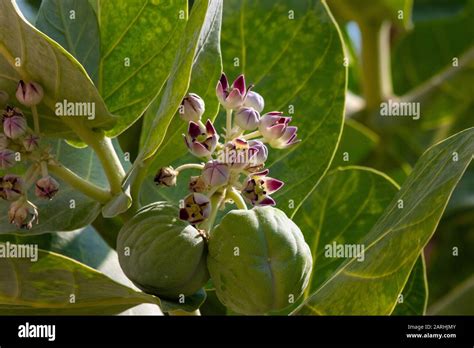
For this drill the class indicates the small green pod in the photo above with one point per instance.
(161, 254)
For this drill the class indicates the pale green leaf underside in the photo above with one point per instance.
(207, 68)
(57, 214)
(139, 39)
(296, 66)
(199, 26)
(44, 61)
(76, 31)
(45, 287)
(393, 245)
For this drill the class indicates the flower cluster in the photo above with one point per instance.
(18, 141)
(233, 164)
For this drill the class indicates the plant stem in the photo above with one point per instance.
(252, 135)
(216, 200)
(80, 184)
(228, 124)
(370, 64)
(237, 198)
(34, 111)
(189, 166)
(105, 151)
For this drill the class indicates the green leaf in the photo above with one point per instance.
(357, 142)
(449, 37)
(342, 209)
(139, 40)
(201, 24)
(44, 288)
(79, 34)
(458, 302)
(44, 61)
(207, 68)
(415, 293)
(69, 209)
(296, 65)
(369, 12)
(394, 243)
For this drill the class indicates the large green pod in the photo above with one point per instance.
(258, 260)
(161, 254)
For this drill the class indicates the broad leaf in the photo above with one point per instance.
(200, 24)
(356, 143)
(415, 293)
(206, 70)
(341, 210)
(45, 287)
(73, 24)
(393, 245)
(44, 61)
(139, 40)
(293, 54)
(69, 209)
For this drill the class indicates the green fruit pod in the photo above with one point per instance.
(258, 260)
(161, 254)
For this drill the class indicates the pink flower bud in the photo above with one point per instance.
(247, 118)
(274, 128)
(255, 101)
(29, 94)
(46, 188)
(7, 159)
(31, 142)
(23, 213)
(258, 188)
(258, 154)
(192, 107)
(14, 123)
(201, 140)
(231, 97)
(166, 176)
(215, 173)
(11, 187)
(197, 208)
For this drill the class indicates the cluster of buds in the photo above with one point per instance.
(235, 167)
(18, 141)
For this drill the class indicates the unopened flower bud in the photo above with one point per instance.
(23, 213)
(276, 130)
(247, 118)
(166, 176)
(11, 187)
(197, 208)
(46, 188)
(4, 142)
(231, 97)
(30, 93)
(255, 101)
(31, 142)
(215, 173)
(7, 159)
(192, 107)
(14, 123)
(196, 184)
